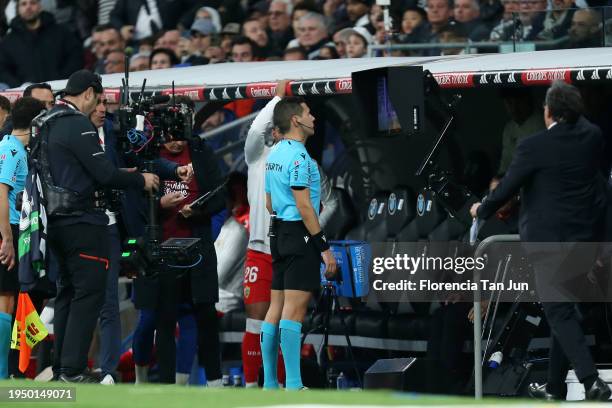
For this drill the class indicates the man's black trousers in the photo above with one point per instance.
(82, 251)
(568, 344)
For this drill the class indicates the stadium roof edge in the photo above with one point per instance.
(229, 81)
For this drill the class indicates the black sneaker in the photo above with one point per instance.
(538, 391)
(84, 378)
(599, 391)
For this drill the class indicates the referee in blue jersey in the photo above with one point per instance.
(297, 243)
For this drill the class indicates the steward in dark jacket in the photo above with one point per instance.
(48, 53)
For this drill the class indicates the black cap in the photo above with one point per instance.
(80, 81)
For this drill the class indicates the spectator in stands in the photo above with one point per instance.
(585, 30)
(279, 25)
(467, 12)
(37, 49)
(452, 33)
(228, 34)
(340, 39)
(412, 19)
(40, 91)
(115, 62)
(299, 11)
(558, 20)
(254, 30)
(507, 22)
(328, 52)
(139, 62)
(170, 39)
(525, 120)
(311, 34)
(294, 54)
(162, 58)
(200, 38)
(104, 39)
(215, 54)
(359, 13)
(531, 20)
(439, 13)
(243, 50)
(5, 111)
(491, 11)
(146, 45)
(358, 42)
(211, 14)
(141, 19)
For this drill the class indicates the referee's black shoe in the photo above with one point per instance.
(599, 391)
(538, 391)
(84, 377)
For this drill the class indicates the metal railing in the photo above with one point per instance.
(470, 47)
(478, 357)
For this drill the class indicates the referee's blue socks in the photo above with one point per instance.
(269, 354)
(291, 340)
(5, 343)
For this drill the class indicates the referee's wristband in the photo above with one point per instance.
(320, 241)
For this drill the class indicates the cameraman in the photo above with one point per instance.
(129, 210)
(78, 169)
(199, 285)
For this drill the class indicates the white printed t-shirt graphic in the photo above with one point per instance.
(143, 22)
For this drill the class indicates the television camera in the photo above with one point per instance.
(145, 125)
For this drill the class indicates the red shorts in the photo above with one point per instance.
(257, 277)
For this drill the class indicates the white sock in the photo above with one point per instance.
(142, 374)
(218, 383)
(182, 379)
(251, 385)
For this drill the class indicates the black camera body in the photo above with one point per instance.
(147, 123)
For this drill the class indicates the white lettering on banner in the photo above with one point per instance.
(483, 79)
(212, 95)
(580, 76)
(266, 92)
(301, 90)
(225, 95)
(544, 76)
(345, 85)
(314, 89)
(595, 75)
(238, 95)
(511, 78)
(328, 89)
(497, 78)
(609, 74)
(453, 79)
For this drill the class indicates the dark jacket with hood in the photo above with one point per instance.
(49, 53)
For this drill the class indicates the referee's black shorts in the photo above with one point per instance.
(9, 280)
(296, 261)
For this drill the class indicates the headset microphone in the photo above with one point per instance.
(306, 126)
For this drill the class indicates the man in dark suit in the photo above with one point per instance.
(563, 200)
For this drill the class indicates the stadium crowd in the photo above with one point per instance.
(42, 40)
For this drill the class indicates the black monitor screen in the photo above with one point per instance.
(387, 117)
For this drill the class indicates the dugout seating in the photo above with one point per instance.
(344, 216)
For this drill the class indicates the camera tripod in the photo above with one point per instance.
(327, 304)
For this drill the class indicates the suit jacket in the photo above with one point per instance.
(563, 191)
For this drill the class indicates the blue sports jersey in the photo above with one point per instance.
(13, 171)
(289, 165)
